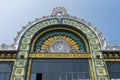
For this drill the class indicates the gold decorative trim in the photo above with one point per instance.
(59, 55)
(111, 56)
(8, 56)
(29, 69)
(111, 60)
(91, 69)
(71, 42)
(7, 59)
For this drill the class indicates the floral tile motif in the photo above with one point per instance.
(94, 41)
(24, 47)
(18, 78)
(99, 62)
(101, 71)
(102, 78)
(21, 63)
(19, 71)
(95, 47)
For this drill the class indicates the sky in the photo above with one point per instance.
(103, 14)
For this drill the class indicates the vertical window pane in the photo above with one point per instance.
(7, 76)
(61, 69)
(75, 76)
(69, 76)
(81, 76)
(2, 76)
(5, 70)
(33, 77)
(87, 75)
(63, 76)
(114, 70)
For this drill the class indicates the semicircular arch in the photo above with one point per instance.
(61, 30)
(92, 38)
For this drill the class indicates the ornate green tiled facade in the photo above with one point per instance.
(60, 39)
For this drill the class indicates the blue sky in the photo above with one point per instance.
(104, 14)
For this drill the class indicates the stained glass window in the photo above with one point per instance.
(66, 39)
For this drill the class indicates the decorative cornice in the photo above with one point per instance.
(7, 47)
(60, 12)
(113, 47)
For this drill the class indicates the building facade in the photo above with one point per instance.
(59, 47)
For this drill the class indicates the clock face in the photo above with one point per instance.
(60, 46)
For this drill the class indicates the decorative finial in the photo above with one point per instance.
(59, 11)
